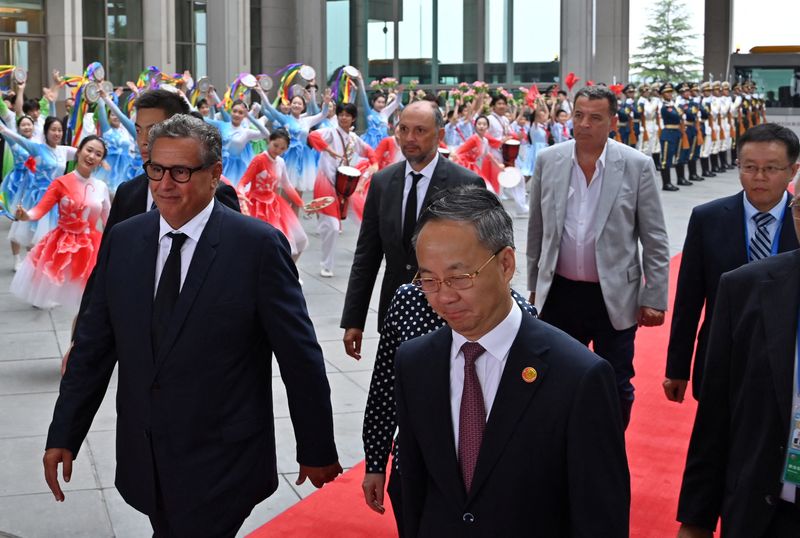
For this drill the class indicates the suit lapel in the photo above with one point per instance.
(512, 400)
(198, 269)
(780, 328)
(561, 185)
(612, 181)
(439, 181)
(143, 254)
(395, 193)
(787, 240)
(443, 462)
(731, 231)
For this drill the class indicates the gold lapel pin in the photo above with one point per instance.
(529, 374)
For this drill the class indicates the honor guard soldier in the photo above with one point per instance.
(626, 113)
(736, 114)
(708, 128)
(672, 120)
(726, 125)
(691, 115)
(648, 141)
(716, 125)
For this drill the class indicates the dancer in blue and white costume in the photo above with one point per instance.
(119, 143)
(18, 178)
(538, 133)
(524, 162)
(301, 160)
(236, 138)
(378, 114)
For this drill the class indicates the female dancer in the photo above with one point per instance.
(236, 138)
(538, 134)
(378, 114)
(51, 162)
(265, 175)
(339, 146)
(475, 155)
(56, 270)
(118, 142)
(18, 180)
(116, 120)
(301, 159)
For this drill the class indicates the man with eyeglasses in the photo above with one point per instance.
(506, 424)
(191, 301)
(743, 463)
(725, 234)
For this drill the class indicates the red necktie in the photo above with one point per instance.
(472, 419)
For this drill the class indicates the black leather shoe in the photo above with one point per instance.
(669, 187)
(683, 183)
(696, 178)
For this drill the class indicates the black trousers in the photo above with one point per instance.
(396, 497)
(578, 309)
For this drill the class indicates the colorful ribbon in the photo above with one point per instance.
(287, 74)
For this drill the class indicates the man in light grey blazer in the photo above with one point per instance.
(592, 202)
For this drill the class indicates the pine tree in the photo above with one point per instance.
(665, 53)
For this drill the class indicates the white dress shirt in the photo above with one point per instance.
(193, 229)
(576, 255)
(750, 212)
(489, 366)
(422, 184)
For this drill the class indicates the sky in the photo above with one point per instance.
(765, 22)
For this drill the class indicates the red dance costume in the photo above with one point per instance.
(264, 176)
(56, 270)
(357, 154)
(474, 154)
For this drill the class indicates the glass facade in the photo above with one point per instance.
(443, 42)
(113, 36)
(191, 41)
(22, 41)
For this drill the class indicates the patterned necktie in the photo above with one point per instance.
(472, 418)
(761, 243)
(169, 286)
(410, 216)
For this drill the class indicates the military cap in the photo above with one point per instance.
(666, 87)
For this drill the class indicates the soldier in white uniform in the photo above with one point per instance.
(716, 126)
(738, 121)
(708, 129)
(725, 125)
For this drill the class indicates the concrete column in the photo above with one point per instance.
(359, 14)
(310, 33)
(64, 24)
(594, 39)
(279, 33)
(717, 40)
(228, 41)
(159, 34)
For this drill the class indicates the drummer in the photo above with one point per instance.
(339, 147)
(500, 129)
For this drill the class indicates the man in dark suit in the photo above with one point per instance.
(195, 433)
(747, 415)
(389, 218)
(718, 240)
(550, 460)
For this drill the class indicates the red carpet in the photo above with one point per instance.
(657, 440)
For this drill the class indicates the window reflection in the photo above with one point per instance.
(455, 41)
(113, 33)
(338, 38)
(416, 41)
(22, 17)
(190, 36)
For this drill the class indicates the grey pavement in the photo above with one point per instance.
(32, 342)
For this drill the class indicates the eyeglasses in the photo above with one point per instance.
(769, 171)
(179, 174)
(456, 282)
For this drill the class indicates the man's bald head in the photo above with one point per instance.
(419, 130)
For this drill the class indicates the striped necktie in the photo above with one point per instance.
(761, 243)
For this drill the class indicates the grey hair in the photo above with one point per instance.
(476, 206)
(599, 92)
(186, 126)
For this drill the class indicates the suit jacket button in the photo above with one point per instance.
(770, 500)
(468, 518)
(409, 267)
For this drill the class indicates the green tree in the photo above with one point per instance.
(665, 54)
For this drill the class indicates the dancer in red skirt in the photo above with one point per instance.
(259, 184)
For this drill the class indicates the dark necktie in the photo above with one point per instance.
(410, 216)
(169, 286)
(472, 417)
(761, 243)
